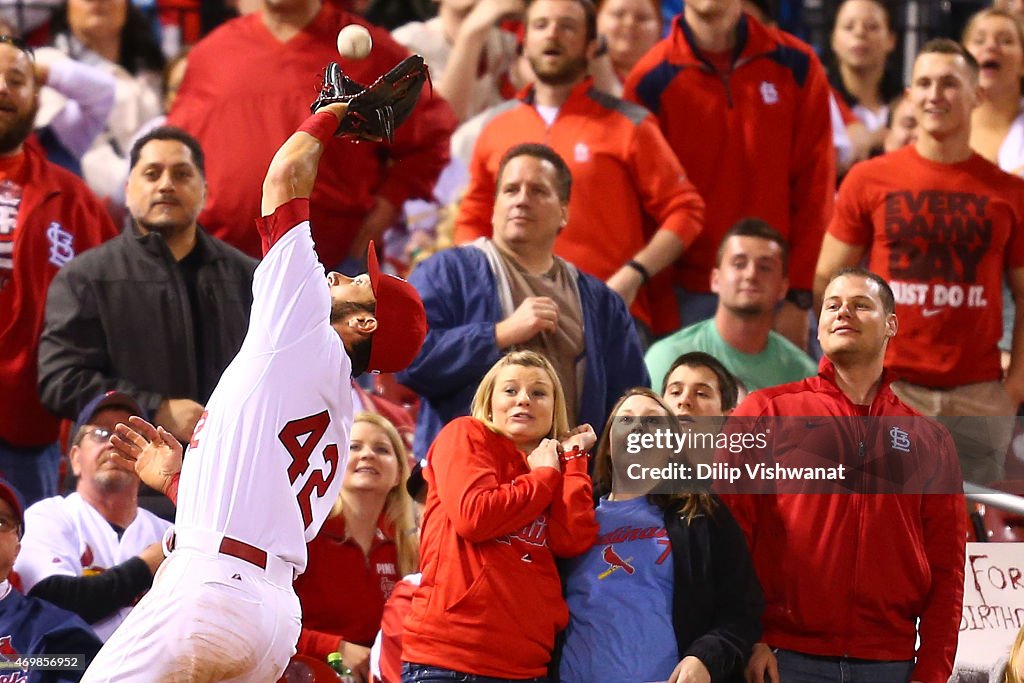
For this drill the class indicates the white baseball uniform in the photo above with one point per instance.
(264, 468)
(69, 537)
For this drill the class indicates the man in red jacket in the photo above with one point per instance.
(632, 210)
(851, 581)
(745, 107)
(361, 186)
(47, 217)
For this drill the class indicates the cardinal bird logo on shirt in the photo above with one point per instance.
(7, 650)
(87, 560)
(9, 654)
(615, 562)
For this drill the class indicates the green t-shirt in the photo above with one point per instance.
(779, 363)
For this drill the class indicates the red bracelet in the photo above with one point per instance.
(321, 125)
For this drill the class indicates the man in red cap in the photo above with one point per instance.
(265, 459)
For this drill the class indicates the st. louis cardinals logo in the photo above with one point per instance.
(9, 654)
(615, 562)
(89, 568)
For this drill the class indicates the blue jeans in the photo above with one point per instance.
(795, 667)
(421, 673)
(33, 471)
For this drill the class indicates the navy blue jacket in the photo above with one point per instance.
(460, 294)
(31, 626)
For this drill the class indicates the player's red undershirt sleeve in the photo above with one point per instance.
(285, 217)
(172, 488)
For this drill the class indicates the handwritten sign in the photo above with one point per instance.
(993, 602)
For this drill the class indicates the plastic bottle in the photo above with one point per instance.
(344, 673)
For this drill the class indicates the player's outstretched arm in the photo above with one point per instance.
(292, 171)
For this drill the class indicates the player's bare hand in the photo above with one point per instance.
(690, 670)
(179, 416)
(356, 658)
(762, 665)
(155, 452)
(544, 455)
(535, 315)
(153, 555)
(582, 437)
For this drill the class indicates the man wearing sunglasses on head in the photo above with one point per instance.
(95, 551)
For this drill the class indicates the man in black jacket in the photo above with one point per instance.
(156, 313)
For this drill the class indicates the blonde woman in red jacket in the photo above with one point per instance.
(505, 498)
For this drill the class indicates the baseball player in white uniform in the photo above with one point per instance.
(266, 460)
(93, 552)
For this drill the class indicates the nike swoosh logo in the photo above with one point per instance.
(929, 312)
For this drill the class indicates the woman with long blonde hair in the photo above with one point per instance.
(507, 492)
(365, 546)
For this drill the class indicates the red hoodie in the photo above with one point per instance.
(58, 219)
(490, 601)
(850, 575)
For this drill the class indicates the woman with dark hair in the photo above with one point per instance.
(115, 36)
(504, 498)
(862, 40)
(668, 591)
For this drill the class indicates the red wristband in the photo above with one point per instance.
(321, 125)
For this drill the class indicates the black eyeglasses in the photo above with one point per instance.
(20, 44)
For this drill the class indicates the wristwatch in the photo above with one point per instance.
(801, 298)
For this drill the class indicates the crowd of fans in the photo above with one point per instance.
(609, 216)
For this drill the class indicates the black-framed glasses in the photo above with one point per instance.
(20, 44)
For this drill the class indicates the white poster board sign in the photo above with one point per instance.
(993, 603)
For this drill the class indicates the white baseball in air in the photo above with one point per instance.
(354, 42)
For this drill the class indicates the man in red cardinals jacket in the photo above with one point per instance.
(851, 581)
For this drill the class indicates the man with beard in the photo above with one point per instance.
(100, 331)
(633, 211)
(94, 552)
(750, 279)
(47, 216)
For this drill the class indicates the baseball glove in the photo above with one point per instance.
(374, 112)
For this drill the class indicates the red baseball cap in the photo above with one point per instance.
(13, 498)
(401, 320)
